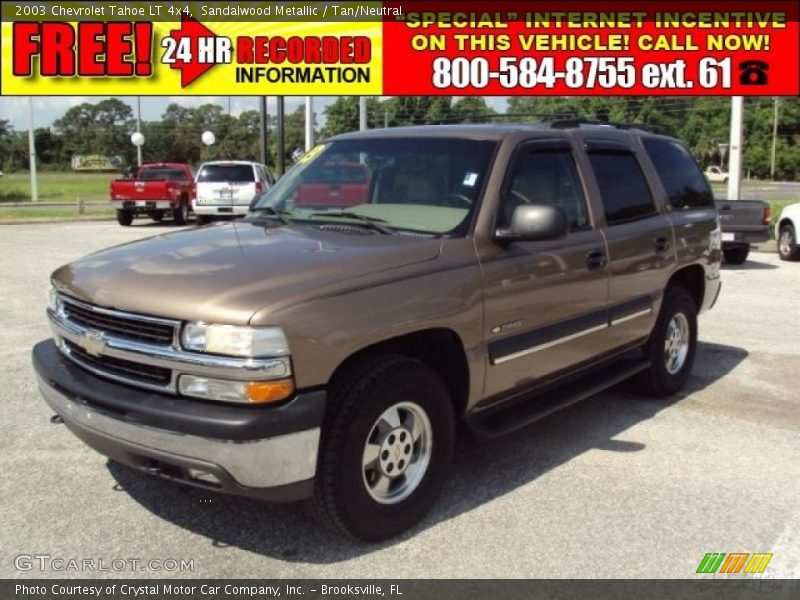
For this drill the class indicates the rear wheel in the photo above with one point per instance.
(181, 214)
(787, 243)
(124, 217)
(737, 255)
(385, 449)
(671, 347)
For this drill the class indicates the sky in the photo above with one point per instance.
(47, 109)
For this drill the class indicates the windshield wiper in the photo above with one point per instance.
(374, 222)
(281, 214)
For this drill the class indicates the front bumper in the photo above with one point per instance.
(266, 452)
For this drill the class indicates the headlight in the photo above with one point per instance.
(233, 340)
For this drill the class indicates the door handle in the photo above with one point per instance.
(596, 259)
(661, 244)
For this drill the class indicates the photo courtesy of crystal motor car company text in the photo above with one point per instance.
(307, 290)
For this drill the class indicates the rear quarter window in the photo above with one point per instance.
(223, 173)
(685, 184)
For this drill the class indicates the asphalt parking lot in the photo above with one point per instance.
(617, 486)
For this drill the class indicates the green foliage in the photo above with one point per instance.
(105, 127)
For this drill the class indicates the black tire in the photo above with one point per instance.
(737, 255)
(181, 214)
(791, 251)
(157, 216)
(203, 220)
(124, 217)
(357, 399)
(657, 380)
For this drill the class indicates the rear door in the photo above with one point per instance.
(544, 302)
(640, 240)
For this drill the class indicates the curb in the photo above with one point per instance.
(47, 220)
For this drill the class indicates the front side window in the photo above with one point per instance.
(427, 185)
(623, 187)
(679, 174)
(546, 177)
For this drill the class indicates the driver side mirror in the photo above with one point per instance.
(534, 223)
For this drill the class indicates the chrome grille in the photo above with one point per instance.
(118, 368)
(139, 329)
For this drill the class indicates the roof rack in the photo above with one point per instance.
(572, 122)
(534, 118)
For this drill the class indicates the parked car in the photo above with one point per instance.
(493, 275)
(226, 188)
(743, 222)
(786, 229)
(716, 174)
(155, 190)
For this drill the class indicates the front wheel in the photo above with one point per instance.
(671, 346)
(787, 244)
(386, 446)
(157, 216)
(203, 220)
(124, 217)
(737, 255)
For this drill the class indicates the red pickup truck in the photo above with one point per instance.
(155, 190)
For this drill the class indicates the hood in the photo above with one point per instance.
(227, 272)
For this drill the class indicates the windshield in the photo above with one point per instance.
(224, 173)
(429, 185)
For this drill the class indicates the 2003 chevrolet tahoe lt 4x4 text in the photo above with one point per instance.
(486, 275)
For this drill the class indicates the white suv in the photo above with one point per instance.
(226, 187)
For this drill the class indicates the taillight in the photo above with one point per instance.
(767, 216)
(259, 187)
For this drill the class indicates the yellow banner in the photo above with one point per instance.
(192, 58)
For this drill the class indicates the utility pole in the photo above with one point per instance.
(32, 152)
(309, 123)
(362, 113)
(262, 129)
(280, 163)
(774, 141)
(735, 161)
(139, 129)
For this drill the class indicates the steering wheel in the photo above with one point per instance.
(460, 199)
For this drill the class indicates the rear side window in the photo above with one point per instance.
(223, 173)
(623, 187)
(679, 174)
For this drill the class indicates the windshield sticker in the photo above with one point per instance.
(470, 179)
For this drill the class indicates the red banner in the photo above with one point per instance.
(574, 48)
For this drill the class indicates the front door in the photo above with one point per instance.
(545, 302)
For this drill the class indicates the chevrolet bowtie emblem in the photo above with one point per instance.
(92, 342)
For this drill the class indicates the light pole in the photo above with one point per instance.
(309, 122)
(723, 150)
(139, 130)
(735, 170)
(208, 138)
(32, 152)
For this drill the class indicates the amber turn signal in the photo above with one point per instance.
(264, 392)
